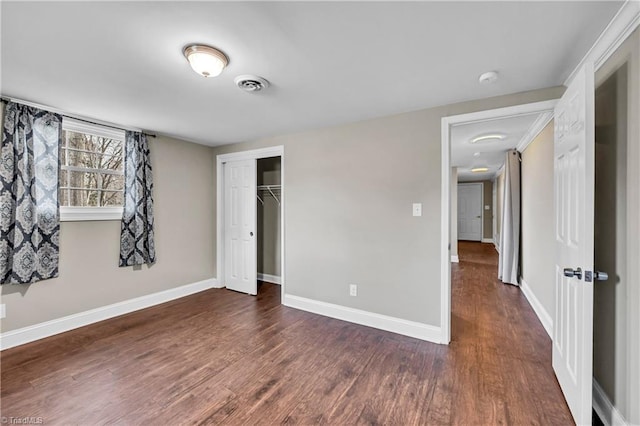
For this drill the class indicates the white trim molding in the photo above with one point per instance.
(620, 27)
(455, 258)
(268, 278)
(34, 332)
(445, 201)
(609, 414)
(541, 312)
(414, 329)
(534, 130)
(487, 240)
(254, 154)
(76, 214)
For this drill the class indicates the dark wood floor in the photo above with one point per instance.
(223, 357)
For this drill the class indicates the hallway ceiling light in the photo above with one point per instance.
(487, 138)
(205, 60)
(480, 169)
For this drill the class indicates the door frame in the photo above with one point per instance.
(545, 109)
(254, 154)
(481, 185)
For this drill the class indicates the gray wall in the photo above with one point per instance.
(269, 218)
(616, 364)
(538, 239)
(499, 182)
(349, 191)
(454, 211)
(487, 215)
(89, 273)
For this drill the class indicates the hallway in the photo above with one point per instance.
(500, 346)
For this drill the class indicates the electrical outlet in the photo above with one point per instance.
(3, 311)
(353, 290)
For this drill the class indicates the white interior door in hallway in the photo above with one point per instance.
(470, 211)
(240, 226)
(574, 151)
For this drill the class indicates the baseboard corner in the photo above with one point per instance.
(273, 279)
(609, 414)
(454, 258)
(413, 329)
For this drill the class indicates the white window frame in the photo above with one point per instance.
(74, 213)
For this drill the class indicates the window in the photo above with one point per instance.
(91, 172)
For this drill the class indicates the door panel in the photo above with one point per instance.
(240, 226)
(470, 211)
(574, 149)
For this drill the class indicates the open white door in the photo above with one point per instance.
(240, 226)
(470, 211)
(574, 151)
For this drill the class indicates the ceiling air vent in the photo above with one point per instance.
(251, 83)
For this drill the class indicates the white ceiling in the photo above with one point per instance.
(491, 152)
(328, 62)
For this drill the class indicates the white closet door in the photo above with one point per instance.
(240, 226)
(470, 211)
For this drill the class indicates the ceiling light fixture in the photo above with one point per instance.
(476, 154)
(486, 138)
(480, 169)
(205, 60)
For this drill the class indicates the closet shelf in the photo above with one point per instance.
(272, 189)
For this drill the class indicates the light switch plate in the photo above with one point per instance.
(417, 209)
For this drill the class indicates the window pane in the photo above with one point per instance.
(115, 182)
(94, 151)
(84, 197)
(81, 180)
(93, 188)
(63, 196)
(109, 198)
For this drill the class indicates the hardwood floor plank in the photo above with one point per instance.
(220, 357)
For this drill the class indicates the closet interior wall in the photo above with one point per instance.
(269, 209)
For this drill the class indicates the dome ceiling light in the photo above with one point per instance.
(485, 138)
(205, 60)
(480, 169)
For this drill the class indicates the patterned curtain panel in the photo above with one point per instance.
(136, 236)
(29, 218)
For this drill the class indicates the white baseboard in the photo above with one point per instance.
(418, 330)
(609, 414)
(543, 315)
(31, 333)
(487, 240)
(273, 279)
(455, 259)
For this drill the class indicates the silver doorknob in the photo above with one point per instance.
(569, 272)
(600, 276)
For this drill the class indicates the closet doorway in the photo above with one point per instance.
(250, 219)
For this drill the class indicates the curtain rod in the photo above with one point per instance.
(5, 100)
